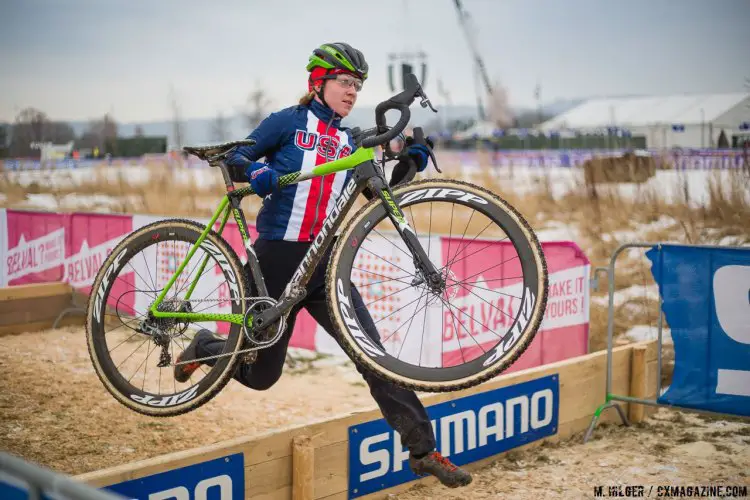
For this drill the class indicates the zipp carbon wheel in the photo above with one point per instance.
(134, 353)
(446, 337)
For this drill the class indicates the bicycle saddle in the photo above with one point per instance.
(217, 152)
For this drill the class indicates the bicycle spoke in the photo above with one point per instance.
(487, 281)
(449, 260)
(413, 223)
(381, 258)
(394, 312)
(468, 332)
(392, 243)
(384, 297)
(411, 321)
(174, 381)
(429, 233)
(380, 282)
(421, 344)
(476, 252)
(493, 267)
(136, 349)
(453, 317)
(489, 303)
(442, 329)
(489, 290)
(153, 283)
(384, 276)
(395, 330)
(468, 244)
(145, 368)
(118, 345)
(138, 274)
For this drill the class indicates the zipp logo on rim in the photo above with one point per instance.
(347, 311)
(173, 400)
(514, 335)
(104, 285)
(441, 193)
(224, 264)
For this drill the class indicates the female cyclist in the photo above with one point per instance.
(297, 139)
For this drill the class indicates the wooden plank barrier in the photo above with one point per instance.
(303, 461)
(33, 307)
(311, 461)
(638, 388)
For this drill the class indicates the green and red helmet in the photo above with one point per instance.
(338, 57)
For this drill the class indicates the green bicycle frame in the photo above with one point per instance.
(231, 203)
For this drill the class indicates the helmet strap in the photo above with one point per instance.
(319, 93)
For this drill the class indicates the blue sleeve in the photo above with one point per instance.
(268, 136)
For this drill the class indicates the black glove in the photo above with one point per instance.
(410, 158)
(419, 150)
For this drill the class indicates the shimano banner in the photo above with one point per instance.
(467, 429)
(706, 302)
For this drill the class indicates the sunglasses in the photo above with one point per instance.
(346, 81)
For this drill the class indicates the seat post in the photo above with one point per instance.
(224, 172)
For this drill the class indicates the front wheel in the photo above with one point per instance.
(475, 324)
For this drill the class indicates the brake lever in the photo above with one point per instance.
(425, 100)
(434, 161)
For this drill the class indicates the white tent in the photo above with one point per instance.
(694, 120)
(479, 129)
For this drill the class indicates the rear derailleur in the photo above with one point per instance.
(163, 330)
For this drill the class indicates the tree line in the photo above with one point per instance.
(31, 126)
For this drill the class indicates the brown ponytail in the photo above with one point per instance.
(307, 98)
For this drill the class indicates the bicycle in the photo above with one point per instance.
(255, 321)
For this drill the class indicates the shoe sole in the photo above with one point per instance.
(185, 371)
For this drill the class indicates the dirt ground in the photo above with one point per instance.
(670, 448)
(54, 411)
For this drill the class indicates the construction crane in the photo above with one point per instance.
(470, 33)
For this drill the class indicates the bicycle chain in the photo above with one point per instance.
(242, 351)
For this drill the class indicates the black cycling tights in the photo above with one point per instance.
(278, 261)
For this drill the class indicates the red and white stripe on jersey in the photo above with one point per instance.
(314, 200)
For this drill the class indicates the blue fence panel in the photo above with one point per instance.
(706, 302)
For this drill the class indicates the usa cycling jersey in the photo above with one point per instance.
(296, 139)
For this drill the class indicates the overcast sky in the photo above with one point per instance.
(77, 59)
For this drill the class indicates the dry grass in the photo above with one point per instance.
(166, 190)
(605, 219)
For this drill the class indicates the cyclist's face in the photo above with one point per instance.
(341, 93)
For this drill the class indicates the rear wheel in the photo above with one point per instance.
(134, 353)
(438, 338)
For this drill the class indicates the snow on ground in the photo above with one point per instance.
(71, 202)
(640, 333)
(45, 201)
(669, 185)
(663, 223)
(632, 293)
(68, 178)
(557, 231)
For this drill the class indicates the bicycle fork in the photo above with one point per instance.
(428, 274)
